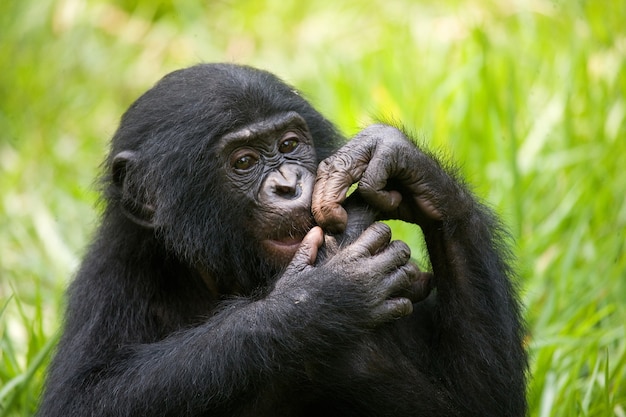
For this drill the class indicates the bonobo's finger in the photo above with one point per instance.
(419, 283)
(373, 182)
(335, 175)
(331, 245)
(400, 280)
(372, 240)
(395, 255)
(421, 287)
(393, 309)
(307, 252)
(326, 205)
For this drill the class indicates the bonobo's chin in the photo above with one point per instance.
(280, 251)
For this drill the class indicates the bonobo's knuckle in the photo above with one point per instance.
(407, 276)
(325, 164)
(366, 186)
(343, 162)
(412, 270)
(373, 238)
(376, 237)
(382, 229)
(399, 281)
(402, 249)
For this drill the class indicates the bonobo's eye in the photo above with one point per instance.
(243, 159)
(289, 144)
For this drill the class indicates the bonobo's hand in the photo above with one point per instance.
(370, 277)
(394, 176)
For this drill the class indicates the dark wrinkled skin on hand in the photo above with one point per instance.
(371, 265)
(393, 175)
(360, 216)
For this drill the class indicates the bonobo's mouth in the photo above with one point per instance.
(283, 243)
(281, 250)
(287, 245)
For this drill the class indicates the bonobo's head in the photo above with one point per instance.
(216, 163)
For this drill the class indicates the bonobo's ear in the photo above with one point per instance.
(131, 203)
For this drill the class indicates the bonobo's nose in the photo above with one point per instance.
(288, 191)
(290, 183)
(286, 182)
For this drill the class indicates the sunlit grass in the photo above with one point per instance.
(529, 97)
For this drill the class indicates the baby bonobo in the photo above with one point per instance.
(230, 276)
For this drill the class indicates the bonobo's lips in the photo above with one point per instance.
(282, 245)
(288, 245)
(281, 251)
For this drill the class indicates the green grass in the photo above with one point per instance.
(528, 96)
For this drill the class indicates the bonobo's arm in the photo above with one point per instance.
(113, 361)
(474, 360)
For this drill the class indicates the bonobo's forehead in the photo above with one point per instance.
(266, 129)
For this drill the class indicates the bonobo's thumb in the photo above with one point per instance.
(307, 252)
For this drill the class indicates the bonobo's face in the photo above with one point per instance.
(272, 164)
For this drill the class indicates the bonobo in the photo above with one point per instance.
(231, 276)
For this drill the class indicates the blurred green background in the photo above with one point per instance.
(529, 97)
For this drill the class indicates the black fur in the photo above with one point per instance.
(176, 312)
